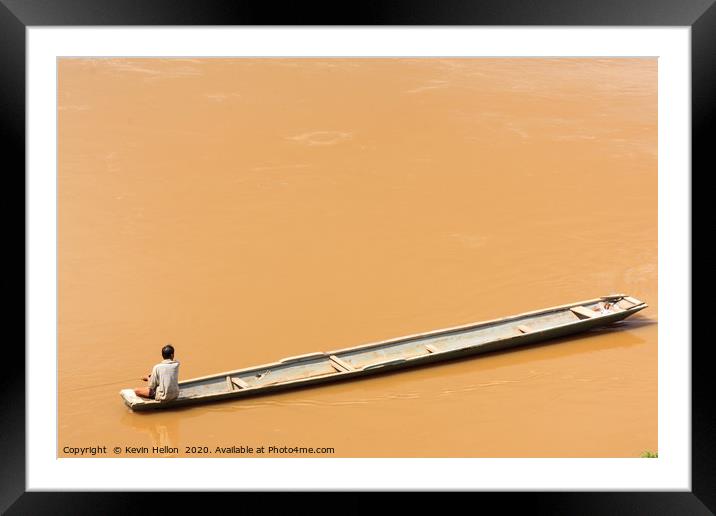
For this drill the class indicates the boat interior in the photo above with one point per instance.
(364, 358)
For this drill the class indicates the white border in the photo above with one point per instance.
(670, 472)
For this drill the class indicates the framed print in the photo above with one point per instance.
(363, 206)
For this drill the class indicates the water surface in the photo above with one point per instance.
(251, 209)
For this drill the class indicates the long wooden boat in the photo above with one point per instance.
(411, 350)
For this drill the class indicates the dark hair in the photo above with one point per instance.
(168, 351)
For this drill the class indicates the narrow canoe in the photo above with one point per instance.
(411, 350)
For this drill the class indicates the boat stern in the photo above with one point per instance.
(625, 302)
(635, 303)
(629, 305)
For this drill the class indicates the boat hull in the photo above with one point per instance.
(214, 388)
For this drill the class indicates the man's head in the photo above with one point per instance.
(168, 351)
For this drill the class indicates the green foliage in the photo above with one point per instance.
(650, 455)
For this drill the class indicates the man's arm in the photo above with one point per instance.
(153, 381)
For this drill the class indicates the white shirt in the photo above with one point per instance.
(165, 379)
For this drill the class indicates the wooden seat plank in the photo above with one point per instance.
(340, 364)
(240, 383)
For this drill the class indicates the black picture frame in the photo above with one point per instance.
(700, 15)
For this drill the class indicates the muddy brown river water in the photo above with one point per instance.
(251, 209)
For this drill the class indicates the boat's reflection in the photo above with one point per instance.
(163, 431)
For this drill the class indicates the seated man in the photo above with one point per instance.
(164, 380)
